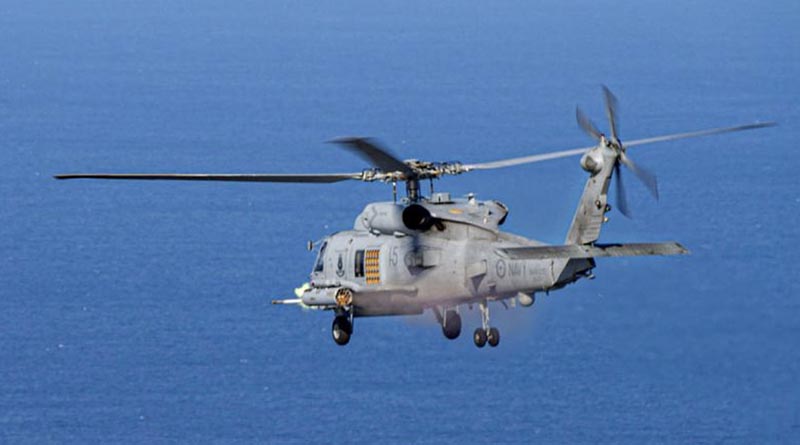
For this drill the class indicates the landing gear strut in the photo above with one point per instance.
(485, 333)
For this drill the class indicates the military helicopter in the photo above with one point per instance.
(442, 253)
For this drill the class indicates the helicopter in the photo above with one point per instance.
(441, 253)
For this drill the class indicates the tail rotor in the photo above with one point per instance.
(614, 144)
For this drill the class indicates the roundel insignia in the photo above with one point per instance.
(500, 268)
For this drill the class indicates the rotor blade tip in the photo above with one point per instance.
(342, 139)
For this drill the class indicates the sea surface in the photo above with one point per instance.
(139, 312)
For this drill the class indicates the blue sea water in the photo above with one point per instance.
(139, 312)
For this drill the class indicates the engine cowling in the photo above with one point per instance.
(384, 218)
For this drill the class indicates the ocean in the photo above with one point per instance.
(139, 312)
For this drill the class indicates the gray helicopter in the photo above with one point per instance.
(441, 253)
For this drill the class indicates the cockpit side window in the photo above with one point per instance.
(320, 264)
(358, 270)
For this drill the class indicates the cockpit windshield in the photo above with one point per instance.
(320, 264)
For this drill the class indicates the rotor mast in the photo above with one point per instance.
(412, 189)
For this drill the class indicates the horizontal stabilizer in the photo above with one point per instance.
(597, 250)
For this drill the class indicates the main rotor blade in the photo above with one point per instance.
(502, 163)
(611, 111)
(621, 201)
(377, 156)
(302, 178)
(526, 159)
(694, 134)
(586, 124)
(644, 175)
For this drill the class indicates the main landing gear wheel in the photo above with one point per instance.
(479, 337)
(493, 337)
(451, 326)
(485, 332)
(341, 330)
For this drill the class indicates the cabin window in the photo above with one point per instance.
(320, 264)
(359, 265)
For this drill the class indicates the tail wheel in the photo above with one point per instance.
(451, 327)
(341, 330)
(479, 337)
(493, 337)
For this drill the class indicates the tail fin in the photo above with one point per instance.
(590, 214)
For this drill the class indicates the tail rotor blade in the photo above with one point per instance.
(586, 124)
(645, 176)
(621, 201)
(611, 111)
